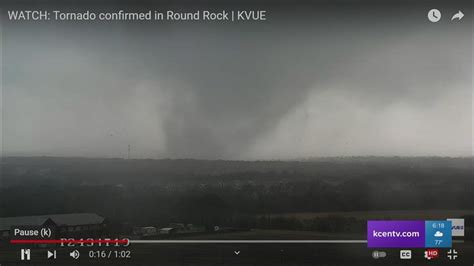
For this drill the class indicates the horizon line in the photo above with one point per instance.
(315, 158)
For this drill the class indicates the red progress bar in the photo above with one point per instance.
(67, 241)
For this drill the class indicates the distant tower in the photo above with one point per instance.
(128, 152)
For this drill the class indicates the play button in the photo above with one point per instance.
(52, 254)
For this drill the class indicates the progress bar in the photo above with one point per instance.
(182, 241)
(248, 241)
(326, 241)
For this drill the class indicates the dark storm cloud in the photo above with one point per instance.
(268, 90)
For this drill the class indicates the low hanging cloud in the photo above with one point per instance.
(236, 92)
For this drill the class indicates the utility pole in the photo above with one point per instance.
(128, 153)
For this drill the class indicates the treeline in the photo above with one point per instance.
(232, 193)
(37, 170)
(330, 224)
(241, 204)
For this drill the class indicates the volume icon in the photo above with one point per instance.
(75, 254)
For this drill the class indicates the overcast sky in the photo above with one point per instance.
(383, 82)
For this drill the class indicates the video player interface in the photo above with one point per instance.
(236, 133)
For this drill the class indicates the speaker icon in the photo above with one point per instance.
(75, 254)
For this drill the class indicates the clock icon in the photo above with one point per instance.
(434, 15)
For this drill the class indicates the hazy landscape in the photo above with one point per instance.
(324, 198)
(322, 195)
